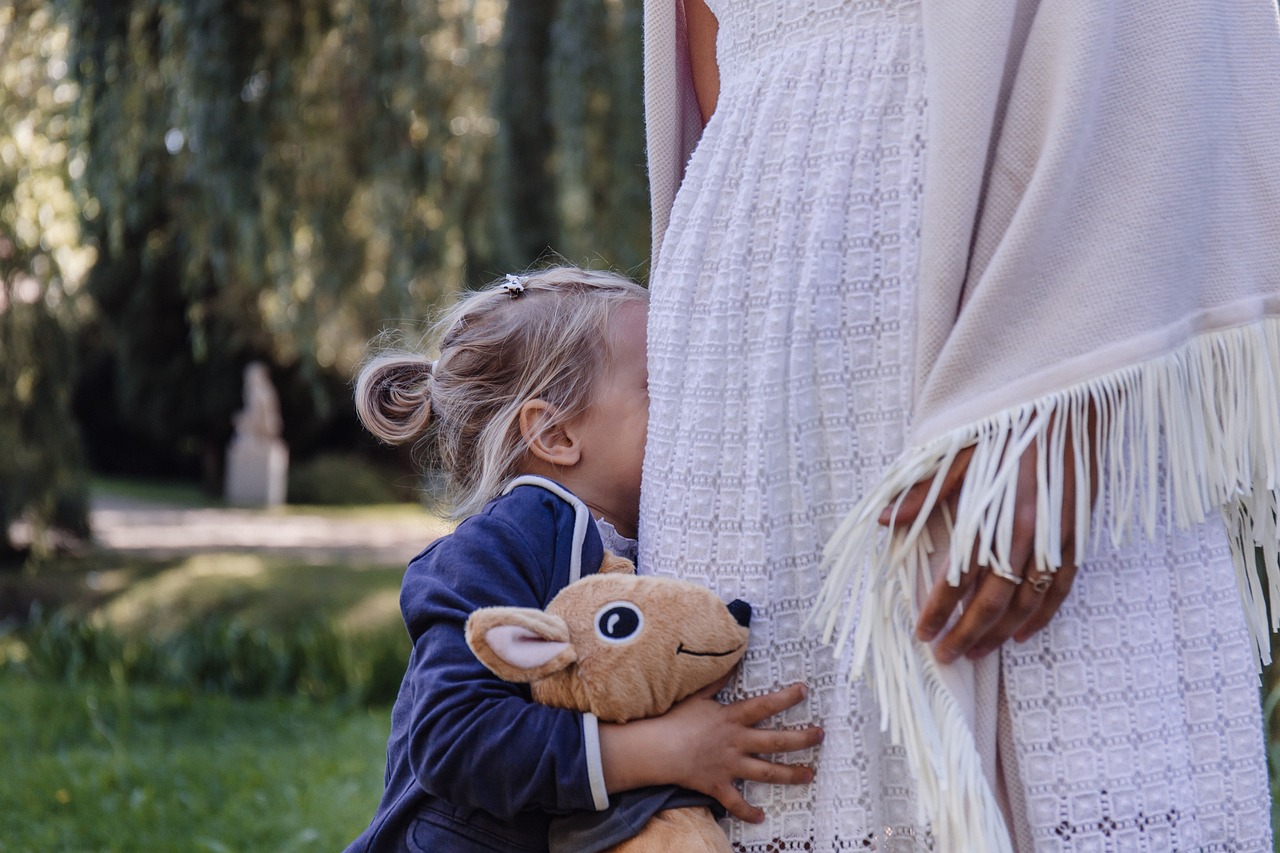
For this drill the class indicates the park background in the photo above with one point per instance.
(188, 186)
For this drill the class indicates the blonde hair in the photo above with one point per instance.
(497, 350)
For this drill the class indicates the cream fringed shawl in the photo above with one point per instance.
(1101, 232)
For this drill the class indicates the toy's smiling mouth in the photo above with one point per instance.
(683, 651)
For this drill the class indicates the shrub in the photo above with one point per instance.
(339, 480)
(223, 655)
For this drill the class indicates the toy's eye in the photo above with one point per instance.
(618, 622)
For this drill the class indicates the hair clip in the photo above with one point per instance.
(514, 285)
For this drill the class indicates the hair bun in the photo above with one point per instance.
(392, 397)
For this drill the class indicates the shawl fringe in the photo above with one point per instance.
(1207, 413)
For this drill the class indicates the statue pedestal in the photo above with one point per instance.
(257, 471)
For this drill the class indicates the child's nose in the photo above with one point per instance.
(741, 612)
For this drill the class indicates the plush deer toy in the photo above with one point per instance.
(621, 647)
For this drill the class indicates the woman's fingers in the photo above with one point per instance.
(1027, 599)
(988, 605)
(1021, 599)
(941, 603)
(1022, 543)
(907, 508)
(1001, 607)
(998, 606)
(1053, 597)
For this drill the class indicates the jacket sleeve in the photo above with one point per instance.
(476, 740)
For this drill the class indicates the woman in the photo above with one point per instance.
(976, 264)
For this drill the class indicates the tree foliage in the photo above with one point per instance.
(276, 180)
(42, 263)
(281, 180)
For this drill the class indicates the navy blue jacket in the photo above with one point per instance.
(473, 764)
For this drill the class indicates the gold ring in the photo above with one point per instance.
(1040, 584)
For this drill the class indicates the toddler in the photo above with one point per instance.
(536, 409)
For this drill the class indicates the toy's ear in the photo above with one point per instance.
(519, 643)
(612, 564)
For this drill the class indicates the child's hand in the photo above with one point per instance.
(706, 746)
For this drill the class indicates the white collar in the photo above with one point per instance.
(615, 542)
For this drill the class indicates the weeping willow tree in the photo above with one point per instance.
(275, 182)
(596, 99)
(569, 161)
(281, 180)
(42, 264)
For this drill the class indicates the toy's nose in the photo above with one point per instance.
(741, 612)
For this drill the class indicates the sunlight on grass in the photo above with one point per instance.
(271, 592)
(198, 585)
(376, 609)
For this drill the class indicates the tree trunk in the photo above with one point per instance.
(526, 191)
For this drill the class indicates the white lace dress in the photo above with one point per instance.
(780, 373)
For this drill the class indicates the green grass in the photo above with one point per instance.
(115, 768)
(96, 759)
(140, 594)
(243, 624)
(123, 718)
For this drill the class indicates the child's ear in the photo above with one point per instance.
(549, 438)
(519, 643)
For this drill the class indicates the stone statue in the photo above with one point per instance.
(260, 416)
(257, 458)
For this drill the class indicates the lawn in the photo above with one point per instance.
(175, 704)
(112, 768)
(172, 704)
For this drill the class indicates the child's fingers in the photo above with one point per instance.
(773, 741)
(760, 708)
(759, 770)
(733, 802)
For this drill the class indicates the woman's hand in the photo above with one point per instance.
(705, 746)
(999, 608)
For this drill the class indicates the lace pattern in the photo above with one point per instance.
(780, 373)
(1132, 721)
(779, 378)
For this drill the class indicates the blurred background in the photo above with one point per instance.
(191, 186)
(188, 187)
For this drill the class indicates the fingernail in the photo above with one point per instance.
(944, 655)
(926, 633)
(978, 652)
(804, 691)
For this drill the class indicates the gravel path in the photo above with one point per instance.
(165, 532)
